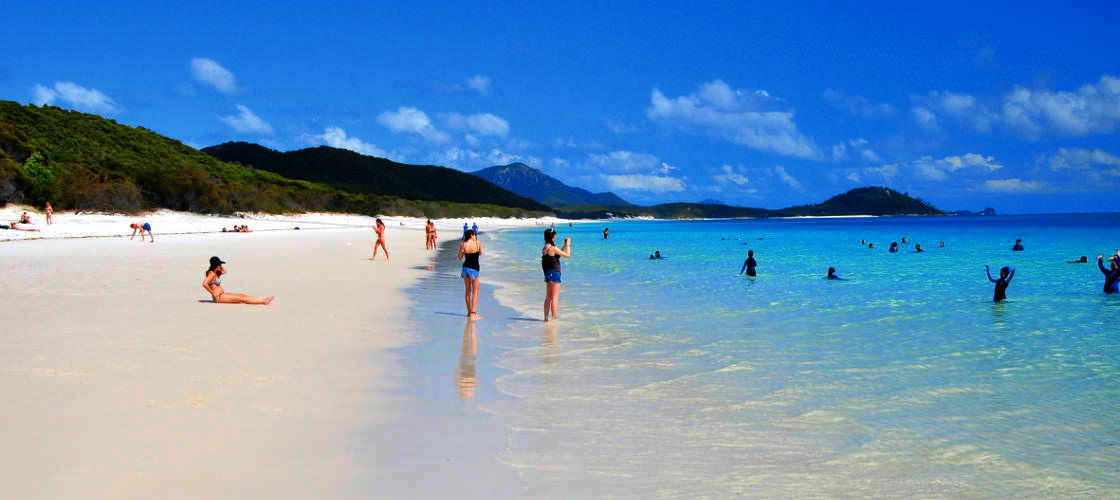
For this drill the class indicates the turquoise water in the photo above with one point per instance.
(678, 377)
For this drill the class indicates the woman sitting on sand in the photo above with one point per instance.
(213, 284)
(469, 251)
(550, 264)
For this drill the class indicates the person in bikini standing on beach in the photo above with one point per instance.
(213, 284)
(50, 214)
(550, 264)
(379, 228)
(428, 229)
(469, 251)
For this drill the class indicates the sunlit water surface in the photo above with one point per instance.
(680, 377)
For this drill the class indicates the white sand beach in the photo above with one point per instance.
(122, 379)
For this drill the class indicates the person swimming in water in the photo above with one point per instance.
(832, 274)
(606, 232)
(1111, 275)
(1082, 260)
(894, 247)
(904, 239)
(749, 264)
(657, 254)
(918, 248)
(1005, 275)
(1018, 246)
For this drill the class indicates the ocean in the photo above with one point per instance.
(679, 377)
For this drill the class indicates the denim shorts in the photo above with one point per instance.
(469, 273)
(552, 277)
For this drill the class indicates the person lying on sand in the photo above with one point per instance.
(15, 226)
(213, 284)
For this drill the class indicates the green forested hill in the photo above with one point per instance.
(86, 162)
(359, 173)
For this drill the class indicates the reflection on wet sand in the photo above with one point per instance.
(465, 378)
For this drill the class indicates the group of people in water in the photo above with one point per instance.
(1006, 273)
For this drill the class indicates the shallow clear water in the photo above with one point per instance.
(679, 377)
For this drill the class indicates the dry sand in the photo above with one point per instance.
(121, 379)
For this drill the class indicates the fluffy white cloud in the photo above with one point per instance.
(479, 83)
(749, 118)
(857, 105)
(784, 176)
(639, 182)
(731, 175)
(1080, 158)
(1014, 185)
(929, 168)
(74, 95)
(466, 158)
(336, 137)
(625, 161)
(1033, 114)
(480, 123)
(247, 122)
(209, 72)
(859, 145)
(1092, 109)
(412, 120)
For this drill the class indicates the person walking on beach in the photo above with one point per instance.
(1005, 275)
(213, 284)
(1111, 275)
(429, 228)
(469, 251)
(465, 228)
(550, 264)
(379, 228)
(50, 214)
(749, 264)
(474, 227)
(141, 229)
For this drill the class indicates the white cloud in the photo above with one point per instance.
(1014, 185)
(480, 123)
(857, 105)
(748, 118)
(639, 182)
(1033, 114)
(784, 176)
(859, 145)
(336, 137)
(479, 83)
(625, 161)
(209, 72)
(730, 175)
(465, 158)
(412, 120)
(76, 96)
(1080, 158)
(246, 121)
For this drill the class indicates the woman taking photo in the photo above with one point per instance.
(469, 250)
(550, 264)
(213, 284)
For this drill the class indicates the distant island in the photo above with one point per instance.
(574, 202)
(82, 161)
(986, 211)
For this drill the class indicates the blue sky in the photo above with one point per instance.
(965, 105)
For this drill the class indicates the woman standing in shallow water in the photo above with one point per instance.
(213, 284)
(469, 251)
(550, 264)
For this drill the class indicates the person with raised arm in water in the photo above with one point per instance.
(1111, 275)
(1005, 275)
(469, 251)
(550, 264)
(749, 264)
(213, 284)
(379, 228)
(894, 247)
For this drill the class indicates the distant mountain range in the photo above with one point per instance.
(532, 183)
(575, 202)
(354, 172)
